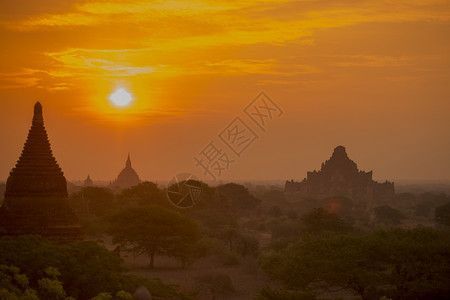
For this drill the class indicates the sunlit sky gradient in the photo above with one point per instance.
(373, 76)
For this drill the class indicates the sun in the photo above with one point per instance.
(121, 97)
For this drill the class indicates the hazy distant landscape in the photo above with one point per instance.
(238, 241)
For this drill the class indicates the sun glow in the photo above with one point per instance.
(121, 97)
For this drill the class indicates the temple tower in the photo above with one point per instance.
(340, 176)
(36, 192)
(127, 177)
(88, 181)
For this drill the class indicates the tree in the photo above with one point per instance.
(267, 293)
(229, 234)
(217, 283)
(86, 269)
(388, 215)
(14, 285)
(2, 191)
(398, 263)
(284, 227)
(332, 263)
(92, 199)
(239, 196)
(339, 205)
(247, 245)
(417, 262)
(428, 202)
(423, 208)
(145, 193)
(154, 230)
(274, 196)
(442, 215)
(275, 211)
(321, 221)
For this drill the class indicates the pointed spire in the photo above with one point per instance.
(38, 112)
(36, 191)
(88, 181)
(37, 169)
(128, 163)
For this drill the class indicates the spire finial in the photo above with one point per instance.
(38, 108)
(37, 112)
(128, 164)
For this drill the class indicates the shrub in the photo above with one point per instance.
(269, 294)
(247, 245)
(230, 258)
(217, 282)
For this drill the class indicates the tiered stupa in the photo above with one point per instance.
(127, 177)
(36, 192)
(339, 176)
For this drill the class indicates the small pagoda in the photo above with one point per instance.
(128, 177)
(36, 199)
(88, 181)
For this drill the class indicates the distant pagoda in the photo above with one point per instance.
(88, 181)
(127, 177)
(339, 176)
(36, 199)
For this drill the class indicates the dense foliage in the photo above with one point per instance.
(86, 268)
(145, 193)
(154, 230)
(92, 200)
(317, 246)
(238, 196)
(442, 215)
(320, 221)
(388, 215)
(400, 264)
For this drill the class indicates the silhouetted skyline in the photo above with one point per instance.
(162, 80)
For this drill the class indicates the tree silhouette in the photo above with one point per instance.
(145, 193)
(153, 230)
(442, 215)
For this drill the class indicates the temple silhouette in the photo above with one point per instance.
(36, 192)
(128, 177)
(88, 181)
(339, 176)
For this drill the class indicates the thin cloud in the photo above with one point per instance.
(373, 61)
(87, 62)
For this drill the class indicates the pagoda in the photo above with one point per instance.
(36, 199)
(88, 181)
(127, 177)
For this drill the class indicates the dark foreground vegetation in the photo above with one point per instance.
(334, 248)
(33, 268)
(396, 263)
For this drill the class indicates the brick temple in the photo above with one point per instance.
(36, 199)
(339, 176)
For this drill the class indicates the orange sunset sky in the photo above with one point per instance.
(371, 75)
